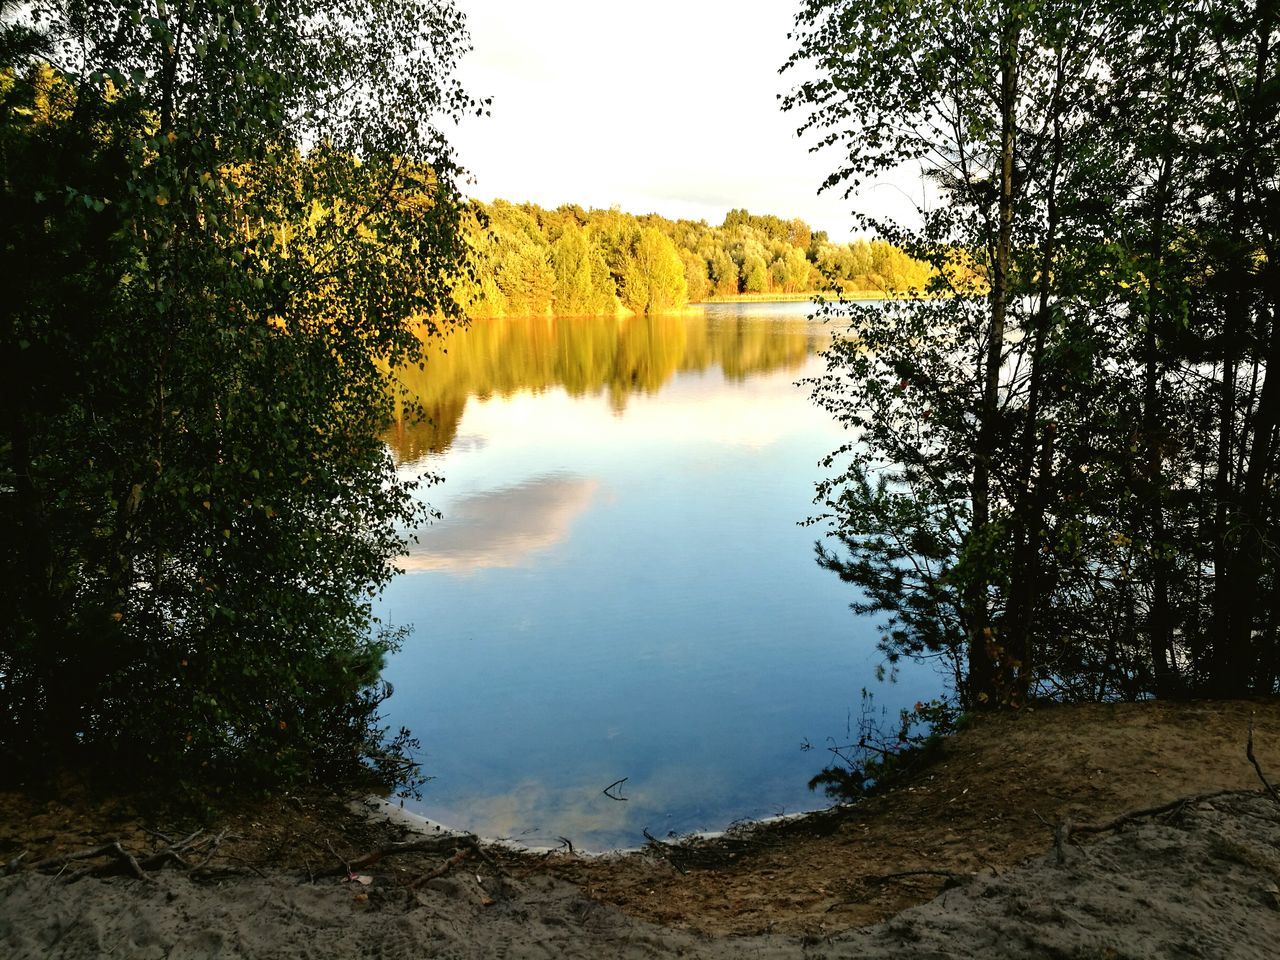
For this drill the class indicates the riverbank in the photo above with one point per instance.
(966, 849)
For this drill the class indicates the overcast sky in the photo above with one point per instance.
(665, 106)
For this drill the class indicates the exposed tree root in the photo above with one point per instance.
(122, 860)
(1248, 752)
(1066, 830)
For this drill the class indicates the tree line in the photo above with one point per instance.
(569, 261)
(1063, 479)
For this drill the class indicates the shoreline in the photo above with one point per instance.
(1173, 844)
(389, 811)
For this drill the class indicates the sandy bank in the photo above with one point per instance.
(1201, 879)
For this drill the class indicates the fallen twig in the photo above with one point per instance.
(903, 874)
(174, 852)
(120, 855)
(211, 847)
(131, 862)
(346, 867)
(1248, 752)
(420, 845)
(1065, 829)
(1060, 838)
(63, 859)
(616, 783)
(461, 854)
(667, 850)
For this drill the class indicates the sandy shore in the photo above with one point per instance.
(956, 864)
(1200, 883)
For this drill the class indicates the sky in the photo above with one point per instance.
(665, 106)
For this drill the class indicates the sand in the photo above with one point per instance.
(1200, 883)
(1201, 880)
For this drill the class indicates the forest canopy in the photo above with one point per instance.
(570, 261)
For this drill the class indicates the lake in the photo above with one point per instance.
(619, 587)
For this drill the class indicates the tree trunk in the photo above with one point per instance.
(1239, 540)
(984, 689)
(1159, 627)
(1026, 581)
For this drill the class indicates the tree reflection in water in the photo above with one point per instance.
(586, 356)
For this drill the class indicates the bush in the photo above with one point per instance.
(877, 759)
(222, 224)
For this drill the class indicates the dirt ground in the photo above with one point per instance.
(983, 807)
(962, 828)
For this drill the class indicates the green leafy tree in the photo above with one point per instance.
(755, 273)
(653, 275)
(1057, 480)
(226, 222)
(583, 284)
(695, 275)
(957, 446)
(520, 259)
(724, 273)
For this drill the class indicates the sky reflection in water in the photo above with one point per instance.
(619, 587)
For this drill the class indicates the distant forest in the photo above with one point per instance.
(570, 261)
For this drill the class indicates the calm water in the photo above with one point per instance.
(619, 587)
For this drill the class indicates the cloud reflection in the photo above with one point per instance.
(537, 815)
(502, 527)
(674, 798)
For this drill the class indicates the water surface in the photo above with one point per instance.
(619, 586)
